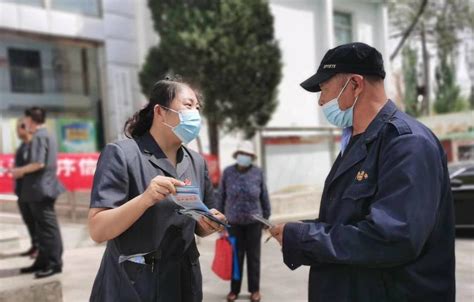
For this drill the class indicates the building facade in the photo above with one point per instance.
(296, 149)
(80, 60)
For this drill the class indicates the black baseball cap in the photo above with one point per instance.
(358, 58)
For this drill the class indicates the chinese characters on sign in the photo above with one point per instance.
(75, 171)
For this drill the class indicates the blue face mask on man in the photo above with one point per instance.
(189, 125)
(335, 115)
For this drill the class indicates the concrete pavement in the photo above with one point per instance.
(82, 258)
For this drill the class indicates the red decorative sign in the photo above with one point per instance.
(75, 171)
(213, 167)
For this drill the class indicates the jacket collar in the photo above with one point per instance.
(373, 130)
(358, 152)
(150, 148)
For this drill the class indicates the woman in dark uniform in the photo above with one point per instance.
(151, 252)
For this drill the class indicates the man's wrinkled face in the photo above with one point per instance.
(331, 89)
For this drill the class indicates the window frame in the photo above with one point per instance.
(39, 88)
(338, 26)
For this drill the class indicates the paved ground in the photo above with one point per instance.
(82, 259)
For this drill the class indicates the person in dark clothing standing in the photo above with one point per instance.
(385, 230)
(40, 188)
(243, 193)
(21, 159)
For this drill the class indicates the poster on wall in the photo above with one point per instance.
(76, 135)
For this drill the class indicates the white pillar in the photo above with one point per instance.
(328, 23)
(122, 66)
(382, 40)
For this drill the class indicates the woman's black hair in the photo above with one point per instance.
(162, 93)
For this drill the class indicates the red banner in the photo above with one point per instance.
(213, 167)
(75, 171)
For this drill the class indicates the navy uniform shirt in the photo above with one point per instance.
(124, 171)
(44, 183)
(21, 159)
(385, 230)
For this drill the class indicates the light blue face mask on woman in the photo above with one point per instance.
(244, 160)
(189, 125)
(335, 115)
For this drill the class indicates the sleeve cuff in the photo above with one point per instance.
(292, 235)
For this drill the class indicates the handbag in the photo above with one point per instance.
(222, 263)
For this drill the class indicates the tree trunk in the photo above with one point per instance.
(471, 97)
(425, 106)
(409, 30)
(213, 137)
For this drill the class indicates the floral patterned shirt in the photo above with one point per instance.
(242, 194)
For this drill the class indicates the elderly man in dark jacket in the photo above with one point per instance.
(386, 228)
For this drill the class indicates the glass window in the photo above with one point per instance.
(463, 172)
(467, 178)
(25, 70)
(466, 152)
(26, 2)
(342, 28)
(68, 70)
(86, 7)
(62, 75)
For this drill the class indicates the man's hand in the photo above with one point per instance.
(277, 232)
(29, 168)
(17, 173)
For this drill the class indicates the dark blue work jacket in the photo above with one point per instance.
(385, 231)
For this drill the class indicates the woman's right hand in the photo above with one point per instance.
(159, 188)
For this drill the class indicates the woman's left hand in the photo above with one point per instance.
(207, 226)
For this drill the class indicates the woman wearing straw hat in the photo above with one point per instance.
(243, 193)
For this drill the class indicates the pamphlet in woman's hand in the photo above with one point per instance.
(188, 199)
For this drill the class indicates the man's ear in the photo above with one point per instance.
(357, 83)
